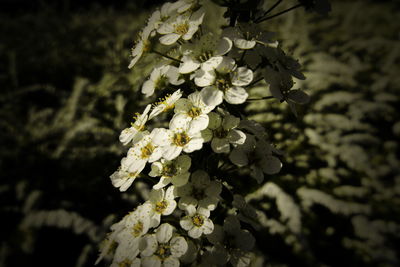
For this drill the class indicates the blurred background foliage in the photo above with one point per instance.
(67, 93)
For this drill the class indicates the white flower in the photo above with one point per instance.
(175, 171)
(135, 132)
(179, 137)
(162, 203)
(223, 132)
(126, 262)
(137, 222)
(233, 241)
(161, 76)
(184, 5)
(258, 155)
(197, 53)
(165, 104)
(200, 191)
(164, 248)
(192, 110)
(221, 79)
(182, 26)
(123, 179)
(197, 222)
(142, 152)
(160, 16)
(247, 35)
(143, 45)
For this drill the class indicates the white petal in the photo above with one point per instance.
(152, 261)
(148, 245)
(230, 122)
(212, 96)
(208, 226)
(204, 78)
(271, 165)
(156, 169)
(180, 179)
(187, 203)
(186, 223)
(162, 183)
(189, 65)
(148, 88)
(183, 105)
(170, 208)
(212, 63)
(172, 152)
(179, 246)
(169, 38)
(242, 76)
(156, 195)
(164, 233)
(220, 145)
(236, 137)
(227, 65)
(236, 95)
(199, 123)
(161, 136)
(165, 28)
(238, 157)
(224, 46)
(215, 120)
(171, 262)
(195, 232)
(194, 144)
(244, 44)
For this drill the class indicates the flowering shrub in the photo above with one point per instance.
(202, 138)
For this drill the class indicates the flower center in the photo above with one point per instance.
(146, 46)
(132, 175)
(147, 150)
(204, 56)
(223, 81)
(198, 220)
(161, 206)
(137, 229)
(163, 251)
(220, 133)
(182, 28)
(198, 193)
(181, 139)
(194, 112)
(169, 170)
(125, 263)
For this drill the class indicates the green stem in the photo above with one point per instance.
(280, 13)
(164, 55)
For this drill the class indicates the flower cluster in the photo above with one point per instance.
(201, 79)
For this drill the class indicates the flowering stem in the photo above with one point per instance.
(164, 55)
(255, 81)
(269, 10)
(280, 13)
(262, 98)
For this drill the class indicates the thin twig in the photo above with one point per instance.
(269, 10)
(255, 81)
(262, 98)
(280, 13)
(161, 54)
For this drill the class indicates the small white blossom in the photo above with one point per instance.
(165, 104)
(179, 137)
(123, 179)
(221, 79)
(247, 35)
(135, 132)
(192, 110)
(200, 191)
(197, 53)
(175, 171)
(183, 26)
(164, 248)
(197, 222)
(223, 132)
(161, 76)
(142, 152)
(162, 203)
(143, 46)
